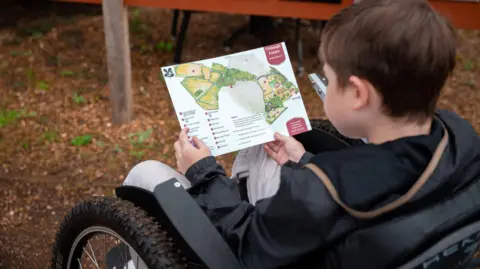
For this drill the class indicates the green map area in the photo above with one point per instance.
(204, 84)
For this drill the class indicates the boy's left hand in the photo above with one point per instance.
(188, 154)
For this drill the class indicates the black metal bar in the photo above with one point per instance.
(174, 23)
(181, 36)
(298, 38)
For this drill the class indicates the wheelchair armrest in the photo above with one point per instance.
(194, 226)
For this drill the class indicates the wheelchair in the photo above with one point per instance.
(166, 229)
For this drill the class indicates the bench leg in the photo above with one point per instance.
(298, 38)
(174, 24)
(181, 36)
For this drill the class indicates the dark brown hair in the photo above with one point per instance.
(402, 47)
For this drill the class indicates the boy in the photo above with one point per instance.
(386, 62)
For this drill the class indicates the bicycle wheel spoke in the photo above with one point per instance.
(94, 261)
(105, 244)
(126, 253)
(116, 253)
(124, 260)
(138, 257)
(93, 253)
(96, 239)
(79, 263)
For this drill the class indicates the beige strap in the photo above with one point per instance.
(395, 204)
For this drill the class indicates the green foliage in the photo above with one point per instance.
(144, 48)
(470, 83)
(49, 137)
(137, 154)
(160, 45)
(169, 46)
(118, 149)
(136, 13)
(137, 26)
(25, 145)
(78, 99)
(30, 73)
(468, 65)
(137, 139)
(82, 140)
(164, 46)
(67, 73)
(8, 116)
(42, 85)
(16, 53)
(11, 116)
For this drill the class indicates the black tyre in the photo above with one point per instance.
(117, 217)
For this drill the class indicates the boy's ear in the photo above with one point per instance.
(361, 90)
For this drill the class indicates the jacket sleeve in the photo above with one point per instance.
(277, 231)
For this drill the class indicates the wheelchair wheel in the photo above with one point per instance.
(107, 232)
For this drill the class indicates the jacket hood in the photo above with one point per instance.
(460, 162)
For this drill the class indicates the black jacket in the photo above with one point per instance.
(302, 227)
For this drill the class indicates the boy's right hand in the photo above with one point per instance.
(284, 148)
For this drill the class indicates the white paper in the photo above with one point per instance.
(237, 101)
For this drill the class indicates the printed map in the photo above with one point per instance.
(204, 83)
(240, 100)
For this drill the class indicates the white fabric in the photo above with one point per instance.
(262, 171)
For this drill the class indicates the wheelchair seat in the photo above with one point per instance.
(455, 251)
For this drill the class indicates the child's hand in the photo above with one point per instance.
(188, 154)
(284, 148)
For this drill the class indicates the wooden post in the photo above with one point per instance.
(115, 16)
